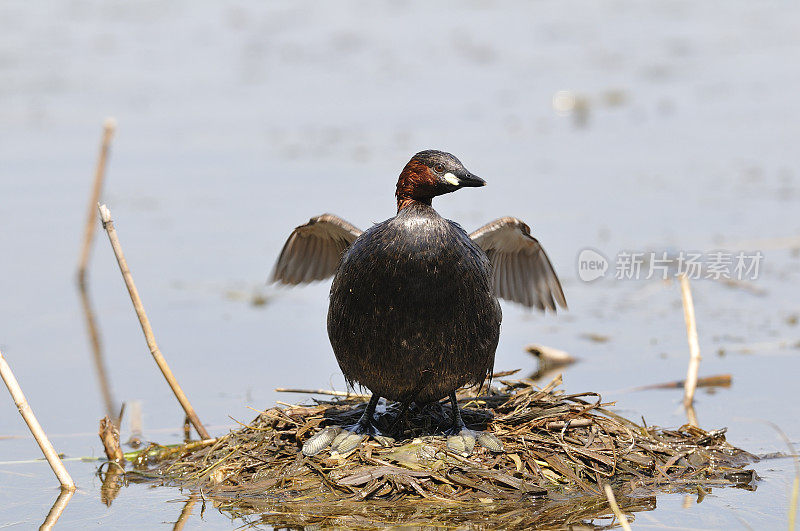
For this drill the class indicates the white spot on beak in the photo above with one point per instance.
(452, 179)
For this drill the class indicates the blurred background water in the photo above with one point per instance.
(619, 125)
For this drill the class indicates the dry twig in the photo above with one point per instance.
(109, 435)
(33, 425)
(326, 392)
(694, 345)
(108, 225)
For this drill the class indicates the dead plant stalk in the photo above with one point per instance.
(108, 225)
(320, 392)
(33, 425)
(109, 126)
(109, 435)
(694, 346)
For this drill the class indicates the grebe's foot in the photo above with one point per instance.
(462, 441)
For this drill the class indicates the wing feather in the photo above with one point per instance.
(309, 259)
(542, 287)
(510, 274)
(312, 252)
(502, 276)
(522, 272)
(521, 287)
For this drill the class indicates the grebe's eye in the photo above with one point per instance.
(439, 168)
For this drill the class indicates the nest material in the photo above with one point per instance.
(559, 451)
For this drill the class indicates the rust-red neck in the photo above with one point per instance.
(415, 185)
(406, 202)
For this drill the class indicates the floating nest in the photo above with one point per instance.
(560, 450)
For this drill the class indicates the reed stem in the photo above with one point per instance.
(326, 392)
(33, 425)
(108, 225)
(690, 384)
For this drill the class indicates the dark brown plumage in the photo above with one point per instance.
(412, 313)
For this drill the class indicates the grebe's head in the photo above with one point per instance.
(430, 173)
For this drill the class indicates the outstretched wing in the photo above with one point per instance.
(313, 250)
(521, 271)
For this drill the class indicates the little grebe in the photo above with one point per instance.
(413, 310)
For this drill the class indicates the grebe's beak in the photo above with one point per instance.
(467, 179)
(463, 179)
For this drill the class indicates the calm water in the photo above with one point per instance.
(238, 123)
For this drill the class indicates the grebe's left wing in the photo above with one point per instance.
(313, 250)
(521, 270)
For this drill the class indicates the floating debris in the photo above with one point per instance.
(561, 451)
(550, 356)
(596, 338)
(717, 380)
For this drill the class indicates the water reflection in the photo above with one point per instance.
(112, 481)
(550, 363)
(98, 358)
(570, 512)
(186, 512)
(58, 507)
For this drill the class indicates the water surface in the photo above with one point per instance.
(239, 122)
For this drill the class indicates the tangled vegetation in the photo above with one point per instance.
(560, 450)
